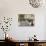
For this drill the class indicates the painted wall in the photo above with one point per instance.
(11, 8)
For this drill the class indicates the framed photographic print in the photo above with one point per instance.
(26, 19)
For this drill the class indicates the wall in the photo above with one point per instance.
(11, 8)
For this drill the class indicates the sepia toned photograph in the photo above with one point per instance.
(26, 19)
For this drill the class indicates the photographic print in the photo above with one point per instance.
(26, 19)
